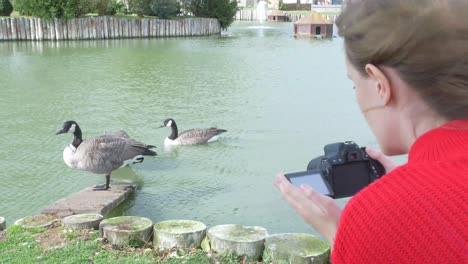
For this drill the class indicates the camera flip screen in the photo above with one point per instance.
(350, 178)
(313, 178)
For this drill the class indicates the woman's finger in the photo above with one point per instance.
(386, 161)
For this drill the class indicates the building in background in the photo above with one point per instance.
(313, 25)
(277, 16)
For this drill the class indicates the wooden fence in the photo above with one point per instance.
(105, 27)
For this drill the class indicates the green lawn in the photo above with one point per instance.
(18, 245)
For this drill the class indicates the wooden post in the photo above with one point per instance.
(71, 29)
(2, 34)
(27, 29)
(14, 35)
(87, 29)
(58, 29)
(138, 28)
(8, 28)
(45, 30)
(40, 31)
(124, 28)
(65, 29)
(32, 28)
(80, 28)
(150, 29)
(22, 28)
(52, 29)
(93, 27)
(117, 32)
(105, 23)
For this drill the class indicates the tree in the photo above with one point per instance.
(50, 9)
(139, 7)
(223, 10)
(101, 6)
(165, 8)
(5, 8)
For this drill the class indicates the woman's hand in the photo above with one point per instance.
(386, 161)
(319, 211)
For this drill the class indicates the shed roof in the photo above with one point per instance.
(313, 18)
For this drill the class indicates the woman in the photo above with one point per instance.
(408, 60)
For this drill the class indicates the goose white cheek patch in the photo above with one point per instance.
(169, 123)
(72, 129)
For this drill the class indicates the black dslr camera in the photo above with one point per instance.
(342, 172)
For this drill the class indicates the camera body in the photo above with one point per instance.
(342, 172)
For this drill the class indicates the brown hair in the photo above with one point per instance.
(425, 41)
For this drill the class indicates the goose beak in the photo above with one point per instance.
(61, 131)
(161, 126)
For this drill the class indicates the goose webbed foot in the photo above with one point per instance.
(130, 187)
(101, 187)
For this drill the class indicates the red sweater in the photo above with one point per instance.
(417, 213)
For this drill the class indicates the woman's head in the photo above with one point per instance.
(410, 51)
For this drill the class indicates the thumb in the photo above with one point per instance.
(386, 161)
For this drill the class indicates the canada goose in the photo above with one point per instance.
(102, 154)
(191, 136)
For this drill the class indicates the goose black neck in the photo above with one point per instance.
(77, 137)
(174, 132)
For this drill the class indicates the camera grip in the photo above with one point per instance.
(377, 169)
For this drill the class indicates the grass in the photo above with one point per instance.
(18, 245)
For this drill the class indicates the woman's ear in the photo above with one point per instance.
(381, 83)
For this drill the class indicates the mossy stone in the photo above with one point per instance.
(178, 233)
(82, 221)
(241, 240)
(2, 224)
(296, 248)
(36, 221)
(127, 230)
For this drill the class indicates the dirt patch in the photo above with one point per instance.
(57, 236)
(2, 235)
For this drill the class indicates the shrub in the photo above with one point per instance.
(165, 8)
(101, 6)
(139, 7)
(50, 9)
(116, 7)
(223, 10)
(5, 8)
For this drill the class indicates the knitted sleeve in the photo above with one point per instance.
(412, 215)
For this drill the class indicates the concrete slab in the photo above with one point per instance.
(89, 201)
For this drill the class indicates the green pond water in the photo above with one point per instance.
(280, 98)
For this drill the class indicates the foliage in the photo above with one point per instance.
(281, 5)
(139, 7)
(165, 8)
(101, 6)
(5, 8)
(50, 9)
(223, 10)
(116, 7)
